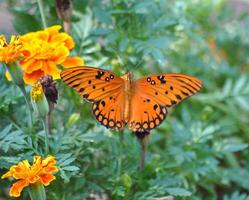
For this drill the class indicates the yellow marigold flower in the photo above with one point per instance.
(43, 51)
(12, 51)
(40, 172)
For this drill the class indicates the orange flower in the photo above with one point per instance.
(40, 172)
(43, 51)
(10, 52)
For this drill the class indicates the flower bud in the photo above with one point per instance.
(49, 88)
(64, 12)
(73, 119)
(39, 101)
(64, 9)
(126, 180)
(37, 191)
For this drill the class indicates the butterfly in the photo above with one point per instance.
(118, 101)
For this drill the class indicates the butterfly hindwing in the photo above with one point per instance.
(92, 83)
(109, 111)
(146, 114)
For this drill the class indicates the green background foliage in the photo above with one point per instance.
(199, 152)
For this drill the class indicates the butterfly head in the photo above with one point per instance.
(128, 76)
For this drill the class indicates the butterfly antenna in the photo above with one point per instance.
(139, 62)
(118, 55)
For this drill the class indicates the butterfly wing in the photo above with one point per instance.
(154, 93)
(101, 87)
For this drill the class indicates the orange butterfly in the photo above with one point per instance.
(120, 100)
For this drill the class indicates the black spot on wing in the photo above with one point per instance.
(85, 96)
(103, 103)
(161, 78)
(155, 106)
(100, 74)
(178, 97)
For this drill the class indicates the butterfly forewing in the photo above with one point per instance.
(154, 93)
(168, 89)
(92, 83)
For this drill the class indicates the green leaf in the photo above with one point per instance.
(71, 168)
(178, 192)
(229, 148)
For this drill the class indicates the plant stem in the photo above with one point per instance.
(12, 121)
(143, 145)
(41, 8)
(30, 122)
(49, 117)
(46, 135)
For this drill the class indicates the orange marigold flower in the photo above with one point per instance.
(12, 51)
(40, 172)
(43, 51)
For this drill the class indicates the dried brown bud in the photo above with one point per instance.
(49, 88)
(64, 9)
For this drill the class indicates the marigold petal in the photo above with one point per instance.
(60, 55)
(53, 29)
(2, 40)
(32, 77)
(8, 76)
(47, 178)
(72, 62)
(43, 35)
(51, 69)
(61, 37)
(36, 65)
(7, 174)
(50, 170)
(37, 159)
(17, 188)
(69, 43)
(34, 179)
(26, 63)
(50, 160)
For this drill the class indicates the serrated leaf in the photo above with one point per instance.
(71, 168)
(178, 192)
(229, 148)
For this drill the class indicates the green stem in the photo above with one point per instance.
(49, 117)
(143, 145)
(45, 126)
(41, 8)
(37, 192)
(12, 121)
(30, 122)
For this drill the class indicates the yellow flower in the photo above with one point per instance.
(12, 51)
(43, 51)
(36, 92)
(40, 172)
